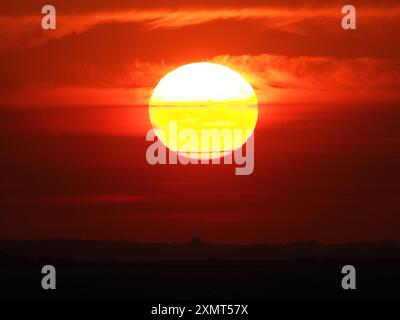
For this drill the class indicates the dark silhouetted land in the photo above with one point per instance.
(108, 270)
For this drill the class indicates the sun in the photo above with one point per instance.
(203, 110)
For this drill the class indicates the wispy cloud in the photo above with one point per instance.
(318, 79)
(277, 79)
(25, 30)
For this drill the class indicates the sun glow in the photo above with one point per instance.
(203, 101)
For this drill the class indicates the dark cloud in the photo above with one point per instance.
(13, 7)
(307, 19)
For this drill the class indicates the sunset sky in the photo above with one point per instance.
(74, 115)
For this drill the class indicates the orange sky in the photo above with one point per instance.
(115, 54)
(73, 117)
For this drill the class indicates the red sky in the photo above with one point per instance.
(73, 117)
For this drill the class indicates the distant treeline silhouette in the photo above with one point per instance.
(129, 251)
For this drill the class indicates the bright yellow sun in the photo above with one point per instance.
(203, 110)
